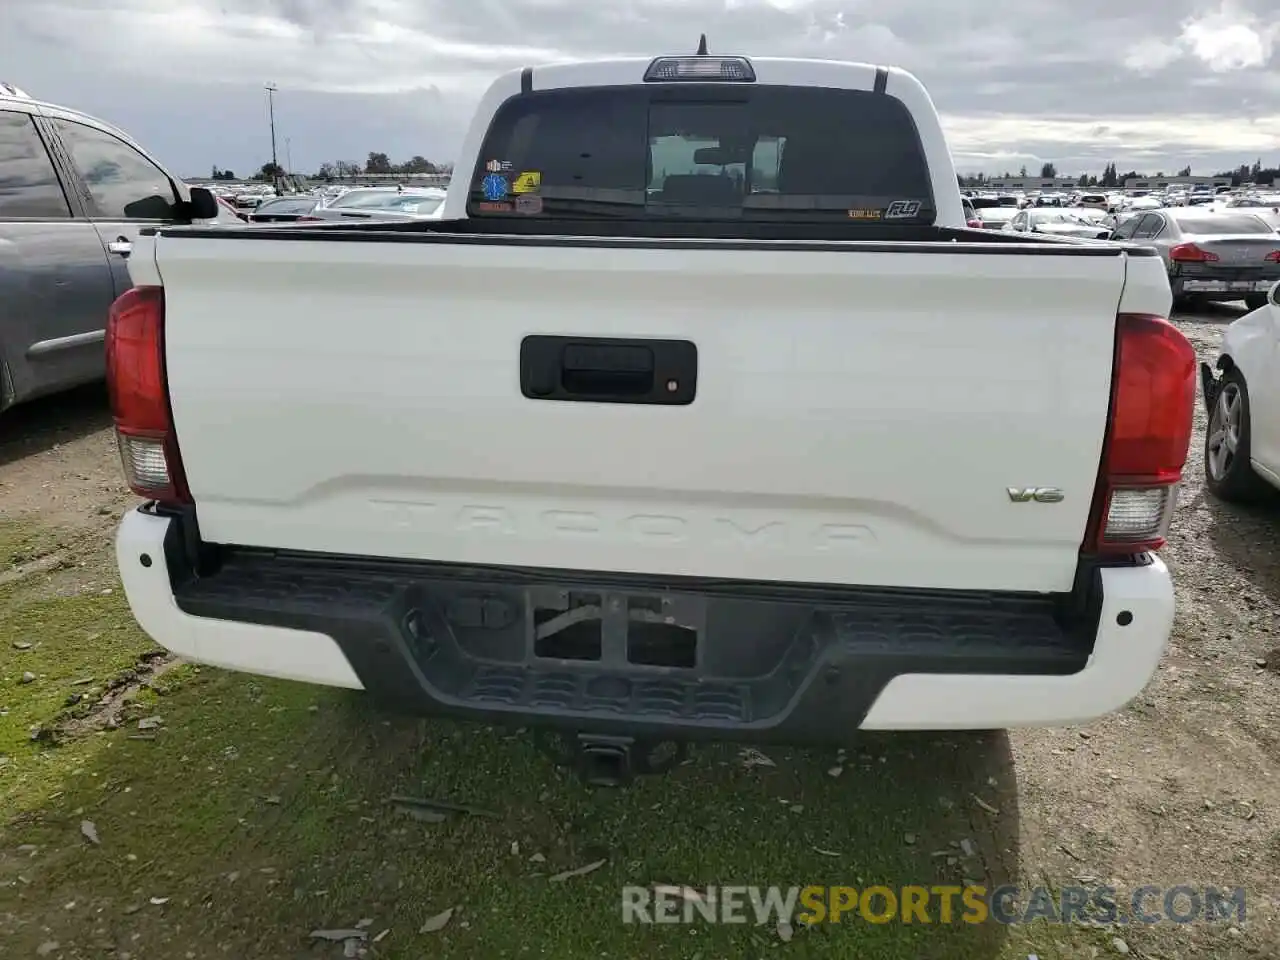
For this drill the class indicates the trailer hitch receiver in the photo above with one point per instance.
(610, 761)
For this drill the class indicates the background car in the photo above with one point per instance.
(1210, 255)
(74, 195)
(994, 212)
(284, 210)
(1242, 397)
(1066, 222)
(382, 203)
(1266, 207)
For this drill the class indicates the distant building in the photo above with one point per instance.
(1161, 183)
(1024, 184)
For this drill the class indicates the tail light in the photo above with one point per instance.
(310, 219)
(1190, 253)
(140, 397)
(1153, 392)
(1273, 256)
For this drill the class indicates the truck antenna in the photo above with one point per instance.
(702, 46)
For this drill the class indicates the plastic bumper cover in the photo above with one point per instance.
(921, 665)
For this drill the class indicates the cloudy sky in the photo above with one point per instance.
(1152, 84)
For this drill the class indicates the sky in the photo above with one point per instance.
(1150, 84)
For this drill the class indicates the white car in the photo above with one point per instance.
(1242, 396)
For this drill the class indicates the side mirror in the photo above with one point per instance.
(1273, 296)
(203, 205)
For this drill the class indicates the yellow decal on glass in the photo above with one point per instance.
(528, 182)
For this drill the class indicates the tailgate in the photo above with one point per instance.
(859, 417)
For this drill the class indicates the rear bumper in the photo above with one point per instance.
(1240, 284)
(768, 662)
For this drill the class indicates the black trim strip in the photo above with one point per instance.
(394, 568)
(526, 80)
(975, 243)
(882, 80)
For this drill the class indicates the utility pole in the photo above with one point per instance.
(271, 89)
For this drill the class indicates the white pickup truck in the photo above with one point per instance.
(699, 413)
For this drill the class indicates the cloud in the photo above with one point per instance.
(1149, 55)
(1228, 40)
(1224, 40)
(1169, 81)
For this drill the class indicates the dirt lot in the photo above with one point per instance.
(153, 810)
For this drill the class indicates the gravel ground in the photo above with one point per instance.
(1182, 786)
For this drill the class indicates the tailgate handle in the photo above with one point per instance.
(607, 370)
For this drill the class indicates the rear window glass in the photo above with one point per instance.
(761, 153)
(1228, 223)
(405, 202)
(288, 206)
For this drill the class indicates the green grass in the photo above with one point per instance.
(260, 811)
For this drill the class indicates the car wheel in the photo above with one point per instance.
(1255, 301)
(1227, 471)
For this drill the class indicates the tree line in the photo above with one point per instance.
(380, 163)
(1245, 173)
(376, 162)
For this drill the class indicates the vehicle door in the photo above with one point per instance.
(1264, 395)
(124, 190)
(55, 283)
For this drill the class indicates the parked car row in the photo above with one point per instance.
(364, 203)
(1211, 253)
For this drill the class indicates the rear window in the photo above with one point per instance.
(291, 205)
(419, 203)
(799, 154)
(1227, 223)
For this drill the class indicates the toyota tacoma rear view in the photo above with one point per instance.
(699, 413)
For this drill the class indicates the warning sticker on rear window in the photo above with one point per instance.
(530, 181)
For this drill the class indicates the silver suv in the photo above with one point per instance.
(74, 194)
